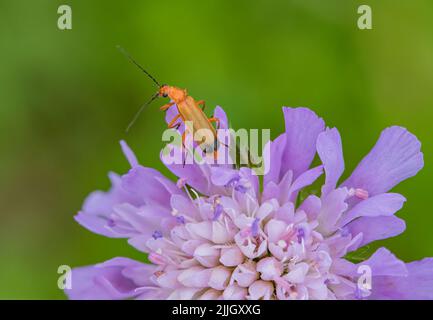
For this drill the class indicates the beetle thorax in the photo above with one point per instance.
(176, 94)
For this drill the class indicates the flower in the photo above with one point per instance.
(216, 234)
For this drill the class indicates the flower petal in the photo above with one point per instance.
(395, 157)
(98, 207)
(149, 185)
(196, 277)
(305, 179)
(311, 206)
(416, 286)
(195, 175)
(273, 168)
(219, 278)
(333, 205)
(302, 128)
(385, 204)
(331, 153)
(384, 263)
(114, 279)
(298, 273)
(220, 114)
(376, 228)
(260, 290)
(234, 292)
(129, 154)
(231, 257)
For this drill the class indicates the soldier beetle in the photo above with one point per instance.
(188, 111)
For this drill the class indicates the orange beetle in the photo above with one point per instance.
(188, 111)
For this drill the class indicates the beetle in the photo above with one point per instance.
(189, 110)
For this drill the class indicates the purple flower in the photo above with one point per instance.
(216, 234)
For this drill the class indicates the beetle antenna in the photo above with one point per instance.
(128, 56)
(141, 110)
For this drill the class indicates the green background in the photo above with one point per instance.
(67, 96)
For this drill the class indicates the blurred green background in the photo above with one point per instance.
(67, 96)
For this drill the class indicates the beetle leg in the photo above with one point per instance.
(202, 104)
(185, 153)
(166, 106)
(216, 120)
(215, 156)
(172, 123)
(183, 138)
(175, 126)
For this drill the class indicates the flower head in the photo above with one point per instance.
(216, 234)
